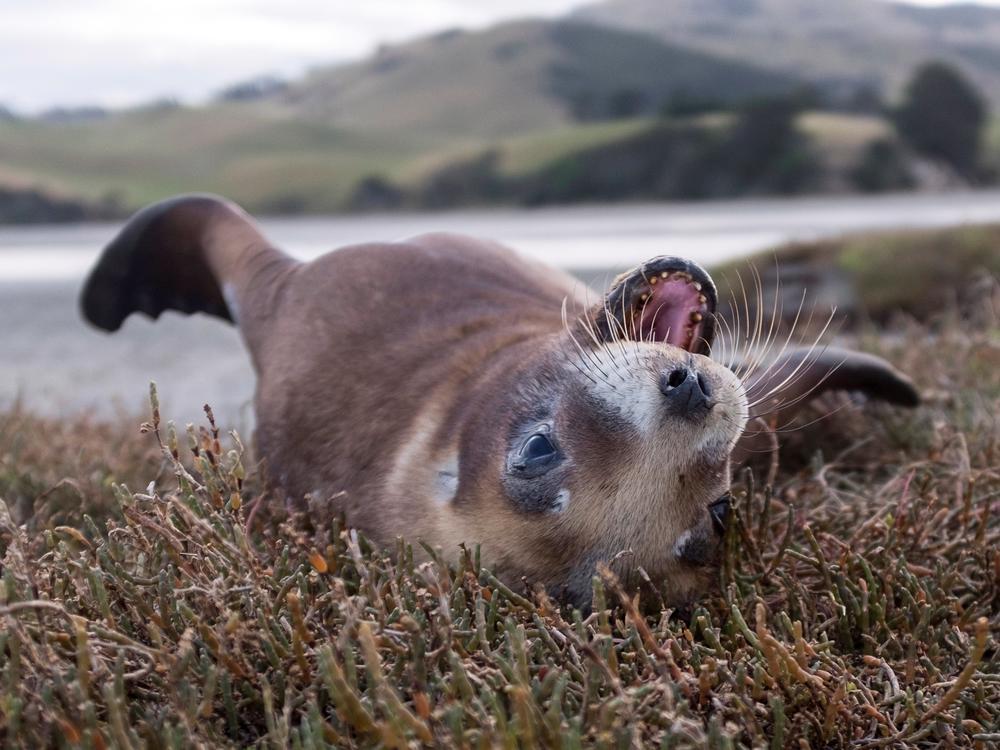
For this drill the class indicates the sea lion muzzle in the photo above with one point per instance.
(687, 393)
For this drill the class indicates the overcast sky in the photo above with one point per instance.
(120, 52)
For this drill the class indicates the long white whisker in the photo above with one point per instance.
(576, 343)
(779, 404)
(805, 359)
(589, 328)
(809, 353)
(758, 377)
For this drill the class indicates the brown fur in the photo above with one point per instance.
(381, 365)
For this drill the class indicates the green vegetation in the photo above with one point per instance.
(991, 148)
(759, 150)
(272, 164)
(22, 206)
(943, 117)
(846, 47)
(258, 157)
(521, 113)
(516, 78)
(155, 594)
(880, 276)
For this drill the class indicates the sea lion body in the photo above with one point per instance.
(348, 395)
(447, 390)
(402, 416)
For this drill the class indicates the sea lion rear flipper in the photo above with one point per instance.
(777, 390)
(192, 253)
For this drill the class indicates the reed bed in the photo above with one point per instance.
(858, 604)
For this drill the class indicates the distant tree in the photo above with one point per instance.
(865, 99)
(468, 181)
(253, 89)
(684, 103)
(64, 115)
(375, 193)
(882, 166)
(626, 103)
(942, 116)
(35, 207)
(766, 152)
(161, 104)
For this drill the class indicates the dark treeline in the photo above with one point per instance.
(36, 207)
(759, 150)
(693, 149)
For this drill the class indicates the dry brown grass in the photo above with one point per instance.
(858, 605)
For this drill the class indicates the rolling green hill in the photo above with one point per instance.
(272, 164)
(524, 87)
(526, 94)
(519, 77)
(250, 152)
(838, 44)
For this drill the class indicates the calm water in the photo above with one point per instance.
(52, 361)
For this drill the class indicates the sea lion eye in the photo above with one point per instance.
(533, 480)
(538, 447)
(536, 455)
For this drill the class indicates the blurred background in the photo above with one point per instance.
(856, 141)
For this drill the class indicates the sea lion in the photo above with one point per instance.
(446, 389)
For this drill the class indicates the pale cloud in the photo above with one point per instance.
(119, 52)
(115, 52)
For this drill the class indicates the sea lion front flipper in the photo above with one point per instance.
(779, 389)
(192, 253)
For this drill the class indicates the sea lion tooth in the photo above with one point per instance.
(697, 288)
(696, 317)
(653, 280)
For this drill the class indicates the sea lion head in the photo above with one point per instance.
(615, 444)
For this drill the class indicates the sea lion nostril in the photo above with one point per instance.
(686, 393)
(677, 377)
(705, 387)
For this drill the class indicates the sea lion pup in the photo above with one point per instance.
(446, 389)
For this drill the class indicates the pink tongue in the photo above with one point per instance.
(667, 313)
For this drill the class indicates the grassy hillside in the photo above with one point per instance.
(260, 158)
(851, 40)
(527, 88)
(145, 602)
(251, 153)
(992, 145)
(272, 163)
(518, 77)
(515, 100)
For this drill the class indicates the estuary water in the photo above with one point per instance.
(53, 362)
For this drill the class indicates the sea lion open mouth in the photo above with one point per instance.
(667, 299)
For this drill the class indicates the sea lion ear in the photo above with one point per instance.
(776, 391)
(666, 299)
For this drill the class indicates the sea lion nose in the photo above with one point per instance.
(687, 392)
(719, 513)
